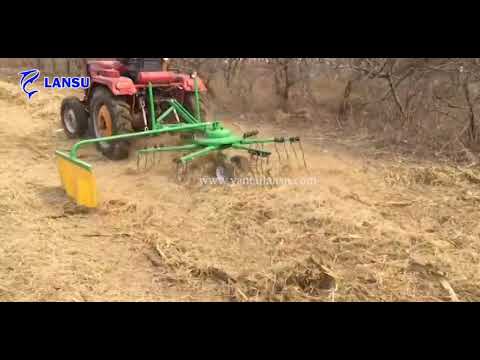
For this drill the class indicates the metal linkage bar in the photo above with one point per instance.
(132, 136)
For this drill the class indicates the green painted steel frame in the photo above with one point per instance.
(214, 136)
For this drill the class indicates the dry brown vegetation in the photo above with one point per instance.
(373, 227)
(427, 107)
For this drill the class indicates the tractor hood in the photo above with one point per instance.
(168, 77)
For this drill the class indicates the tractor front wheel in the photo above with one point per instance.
(110, 115)
(74, 118)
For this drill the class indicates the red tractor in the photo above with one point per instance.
(115, 103)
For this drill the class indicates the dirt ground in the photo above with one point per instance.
(369, 229)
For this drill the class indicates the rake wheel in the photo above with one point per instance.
(182, 175)
(241, 165)
(225, 172)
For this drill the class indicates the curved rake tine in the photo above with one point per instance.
(278, 154)
(303, 154)
(140, 160)
(146, 160)
(177, 171)
(154, 156)
(139, 155)
(286, 151)
(266, 168)
(268, 160)
(251, 171)
(292, 144)
(160, 155)
(250, 165)
(260, 147)
(268, 171)
(182, 170)
(256, 159)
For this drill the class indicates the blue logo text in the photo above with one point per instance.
(68, 82)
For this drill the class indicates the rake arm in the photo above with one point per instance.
(256, 152)
(198, 154)
(132, 136)
(169, 149)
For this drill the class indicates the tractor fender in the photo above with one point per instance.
(119, 86)
(189, 84)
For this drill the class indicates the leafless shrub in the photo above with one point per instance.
(433, 102)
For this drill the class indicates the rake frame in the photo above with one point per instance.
(208, 137)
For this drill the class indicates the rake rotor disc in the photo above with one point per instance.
(220, 173)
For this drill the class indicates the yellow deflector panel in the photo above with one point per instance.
(78, 180)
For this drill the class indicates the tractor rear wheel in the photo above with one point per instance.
(190, 104)
(74, 117)
(110, 115)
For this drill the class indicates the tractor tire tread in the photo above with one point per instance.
(80, 113)
(122, 123)
(189, 104)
